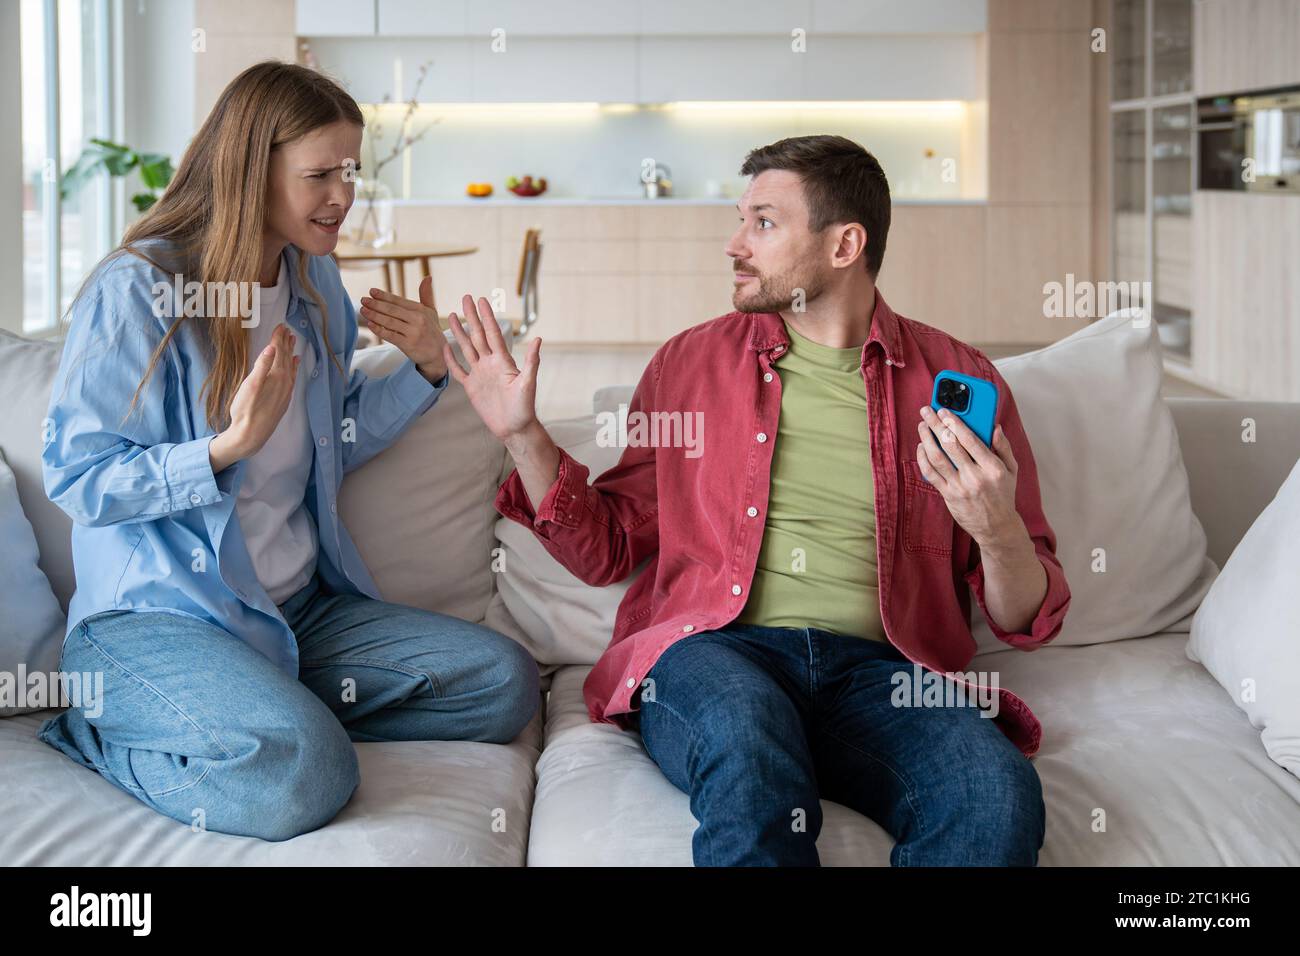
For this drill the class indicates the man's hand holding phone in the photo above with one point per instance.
(980, 490)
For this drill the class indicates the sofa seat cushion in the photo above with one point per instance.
(1132, 729)
(420, 803)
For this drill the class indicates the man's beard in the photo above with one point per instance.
(777, 293)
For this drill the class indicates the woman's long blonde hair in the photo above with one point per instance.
(213, 212)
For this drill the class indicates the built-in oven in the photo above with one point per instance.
(1250, 141)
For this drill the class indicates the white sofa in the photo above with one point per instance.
(1133, 729)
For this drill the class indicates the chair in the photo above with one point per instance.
(526, 287)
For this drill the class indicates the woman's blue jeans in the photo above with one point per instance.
(206, 730)
(756, 724)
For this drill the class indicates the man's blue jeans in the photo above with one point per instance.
(208, 731)
(757, 723)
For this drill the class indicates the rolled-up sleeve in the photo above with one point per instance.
(1047, 622)
(99, 464)
(600, 532)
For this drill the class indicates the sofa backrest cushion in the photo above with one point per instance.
(421, 513)
(1238, 452)
(31, 621)
(27, 368)
(565, 620)
(1114, 487)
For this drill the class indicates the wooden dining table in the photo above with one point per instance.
(398, 254)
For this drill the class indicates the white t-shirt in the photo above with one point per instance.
(271, 507)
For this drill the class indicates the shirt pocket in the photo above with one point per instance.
(927, 523)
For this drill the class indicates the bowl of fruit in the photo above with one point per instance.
(526, 186)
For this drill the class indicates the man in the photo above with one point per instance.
(821, 542)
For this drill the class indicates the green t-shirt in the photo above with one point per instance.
(817, 563)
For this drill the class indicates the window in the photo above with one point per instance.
(66, 100)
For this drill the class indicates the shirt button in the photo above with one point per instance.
(688, 628)
(334, 508)
(631, 682)
(767, 376)
(315, 372)
(762, 436)
(735, 589)
(778, 350)
(303, 323)
(751, 511)
(196, 498)
(322, 441)
(889, 361)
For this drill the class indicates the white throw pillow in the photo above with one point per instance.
(31, 621)
(1247, 630)
(421, 512)
(1113, 484)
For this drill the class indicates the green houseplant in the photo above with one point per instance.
(155, 170)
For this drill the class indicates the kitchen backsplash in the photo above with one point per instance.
(594, 152)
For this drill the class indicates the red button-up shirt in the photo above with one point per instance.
(699, 520)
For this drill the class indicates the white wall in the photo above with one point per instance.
(158, 75)
(11, 186)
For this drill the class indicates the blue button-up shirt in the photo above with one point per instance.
(154, 527)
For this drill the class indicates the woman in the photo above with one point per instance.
(199, 446)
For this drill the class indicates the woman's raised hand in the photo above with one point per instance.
(411, 326)
(259, 404)
(503, 394)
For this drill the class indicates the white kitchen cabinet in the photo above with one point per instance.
(367, 69)
(731, 18)
(422, 18)
(701, 68)
(553, 17)
(596, 69)
(667, 18)
(894, 68)
(833, 68)
(335, 18)
(890, 16)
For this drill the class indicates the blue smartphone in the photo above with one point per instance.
(973, 400)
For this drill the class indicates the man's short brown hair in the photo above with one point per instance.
(842, 182)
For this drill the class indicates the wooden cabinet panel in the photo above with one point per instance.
(1036, 16)
(640, 273)
(1246, 325)
(1245, 44)
(1028, 247)
(587, 309)
(686, 222)
(934, 268)
(1039, 132)
(668, 304)
(570, 222)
